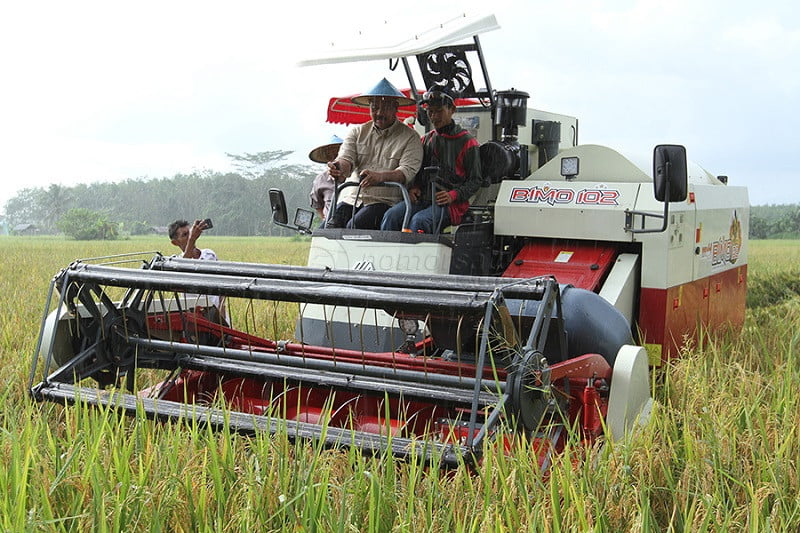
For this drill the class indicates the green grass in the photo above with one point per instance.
(774, 272)
(720, 453)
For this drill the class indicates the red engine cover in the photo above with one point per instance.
(584, 265)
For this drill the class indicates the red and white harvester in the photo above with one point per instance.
(575, 270)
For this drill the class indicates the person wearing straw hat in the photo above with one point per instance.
(454, 152)
(322, 187)
(378, 151)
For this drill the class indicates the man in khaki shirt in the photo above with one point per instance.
(381, 150)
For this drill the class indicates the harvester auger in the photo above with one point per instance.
(482, 359)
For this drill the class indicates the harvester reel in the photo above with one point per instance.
(110, 352)
(98, 335)
(529, 389)
(114, 347)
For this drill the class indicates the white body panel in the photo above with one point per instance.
(560, 211)
(360, 252)
(588, 207)
(629, 401)
(356, 327)
(721, 230)
(622, 285)
(666, 257)
(703, 236)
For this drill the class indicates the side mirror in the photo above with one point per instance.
(278, 204)
(670, 177)
(670, 184)
(303, 218)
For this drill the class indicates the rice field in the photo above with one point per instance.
(719, 454)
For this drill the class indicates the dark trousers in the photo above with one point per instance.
(424, 218)
(366, 216)
(341, 216)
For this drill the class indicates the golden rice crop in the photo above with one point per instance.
(719, 454)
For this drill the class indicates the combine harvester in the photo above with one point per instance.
(537, 314)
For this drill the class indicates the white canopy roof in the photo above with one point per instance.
(447, 33)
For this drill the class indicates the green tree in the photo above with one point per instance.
(25, 207)
(55, 200)
(138, 227)
(793, 220)
(258, 164)
(238, 202)
(759, 227)
(87, 225)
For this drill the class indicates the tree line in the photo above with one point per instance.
(775, 221)
(237, 202)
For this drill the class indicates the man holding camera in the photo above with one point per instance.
(184, 236)
(381, 150)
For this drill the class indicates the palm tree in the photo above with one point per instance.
(55, 200)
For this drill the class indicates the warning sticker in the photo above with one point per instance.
(563, 257)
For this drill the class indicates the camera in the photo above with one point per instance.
(208, 223)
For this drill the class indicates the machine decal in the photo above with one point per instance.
(364, 265)
(554, 195)
(725, 250)
(401, 262)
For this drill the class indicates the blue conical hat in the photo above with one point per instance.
(318, 154)
(385, 89)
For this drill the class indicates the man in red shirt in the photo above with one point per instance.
(452, 150)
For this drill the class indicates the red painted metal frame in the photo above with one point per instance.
(669, 318)
(341, 109)
(581, 384)
(584, 265)
(676, 316)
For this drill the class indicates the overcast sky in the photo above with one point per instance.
(97, 91)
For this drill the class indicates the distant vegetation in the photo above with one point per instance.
(238, 202)
(775, 221)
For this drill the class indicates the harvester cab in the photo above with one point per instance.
(533, 319)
